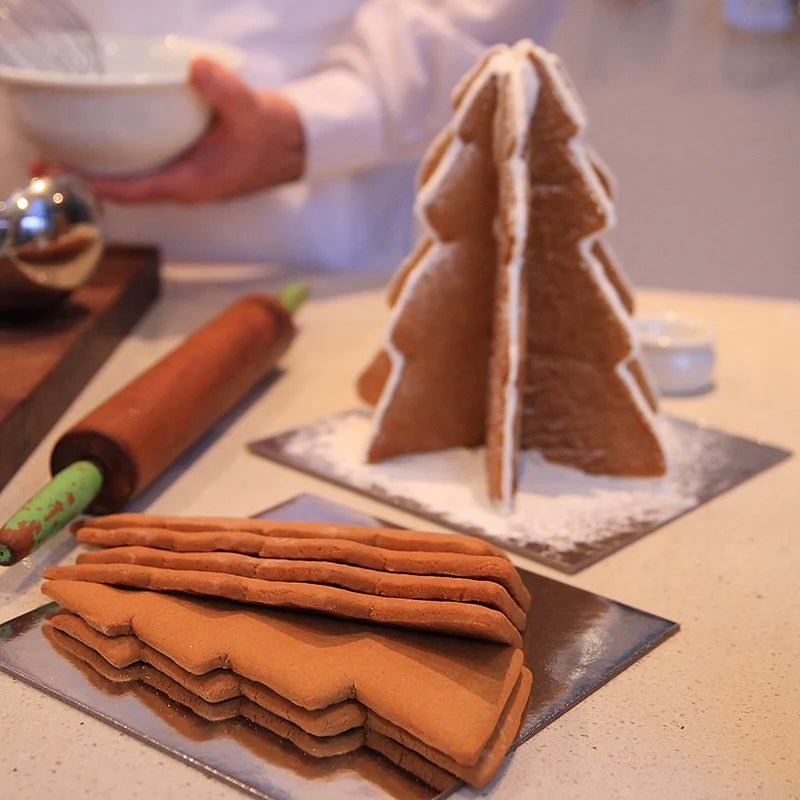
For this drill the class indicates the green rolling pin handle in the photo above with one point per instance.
(49, 510)
(292, 296)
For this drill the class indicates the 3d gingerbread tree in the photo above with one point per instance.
(510, 323)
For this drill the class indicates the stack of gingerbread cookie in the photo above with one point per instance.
(441, 582)
(412, 649)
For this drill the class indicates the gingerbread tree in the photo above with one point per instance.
(510, 324)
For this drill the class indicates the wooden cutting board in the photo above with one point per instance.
(46, 360)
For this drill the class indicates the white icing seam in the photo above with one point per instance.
(396, 359)
(625, 375)
(584, 166)
(648, 374)
(610, 294)
(599, 162)
(524, 95)
(431, 186)
(619, 271)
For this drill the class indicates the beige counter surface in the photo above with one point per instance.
(712, 713)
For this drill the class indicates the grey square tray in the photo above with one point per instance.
(563, 518)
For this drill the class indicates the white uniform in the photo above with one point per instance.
(372, 80)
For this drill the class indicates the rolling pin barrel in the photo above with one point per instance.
(144, 427)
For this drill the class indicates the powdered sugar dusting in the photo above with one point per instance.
(562, 517)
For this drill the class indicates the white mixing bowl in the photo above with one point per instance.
(139, 114)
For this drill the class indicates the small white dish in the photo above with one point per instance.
(137, 115)
(679, 352)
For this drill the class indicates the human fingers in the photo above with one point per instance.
(179, 182)
(227, 94)
(40, 167)
(138, 188)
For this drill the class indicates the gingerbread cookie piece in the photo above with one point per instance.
(372, 767)
(477, 771)
(405, 677)
(197, 719)
(438, 343)
(460, 619)
(215, 687)
(375, 574)
(496, 567)
(387, 538)
(319, 747)
(186, 693)
(582, 406)
(357, 579)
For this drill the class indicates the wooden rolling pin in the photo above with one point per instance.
(126, 443)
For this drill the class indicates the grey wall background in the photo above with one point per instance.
(701, 126)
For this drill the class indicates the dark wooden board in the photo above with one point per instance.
(46, 359)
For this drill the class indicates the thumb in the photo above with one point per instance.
(40, 167)
(222, 89)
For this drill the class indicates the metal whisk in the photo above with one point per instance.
(47, 35)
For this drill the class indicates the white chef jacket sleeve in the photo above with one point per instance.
(383, 91)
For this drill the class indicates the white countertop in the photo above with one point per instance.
(711, 713)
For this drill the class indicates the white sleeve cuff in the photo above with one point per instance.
(342, 122)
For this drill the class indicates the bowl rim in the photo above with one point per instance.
(672, 331)
(226, 54)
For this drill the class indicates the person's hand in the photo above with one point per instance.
(255, 141)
